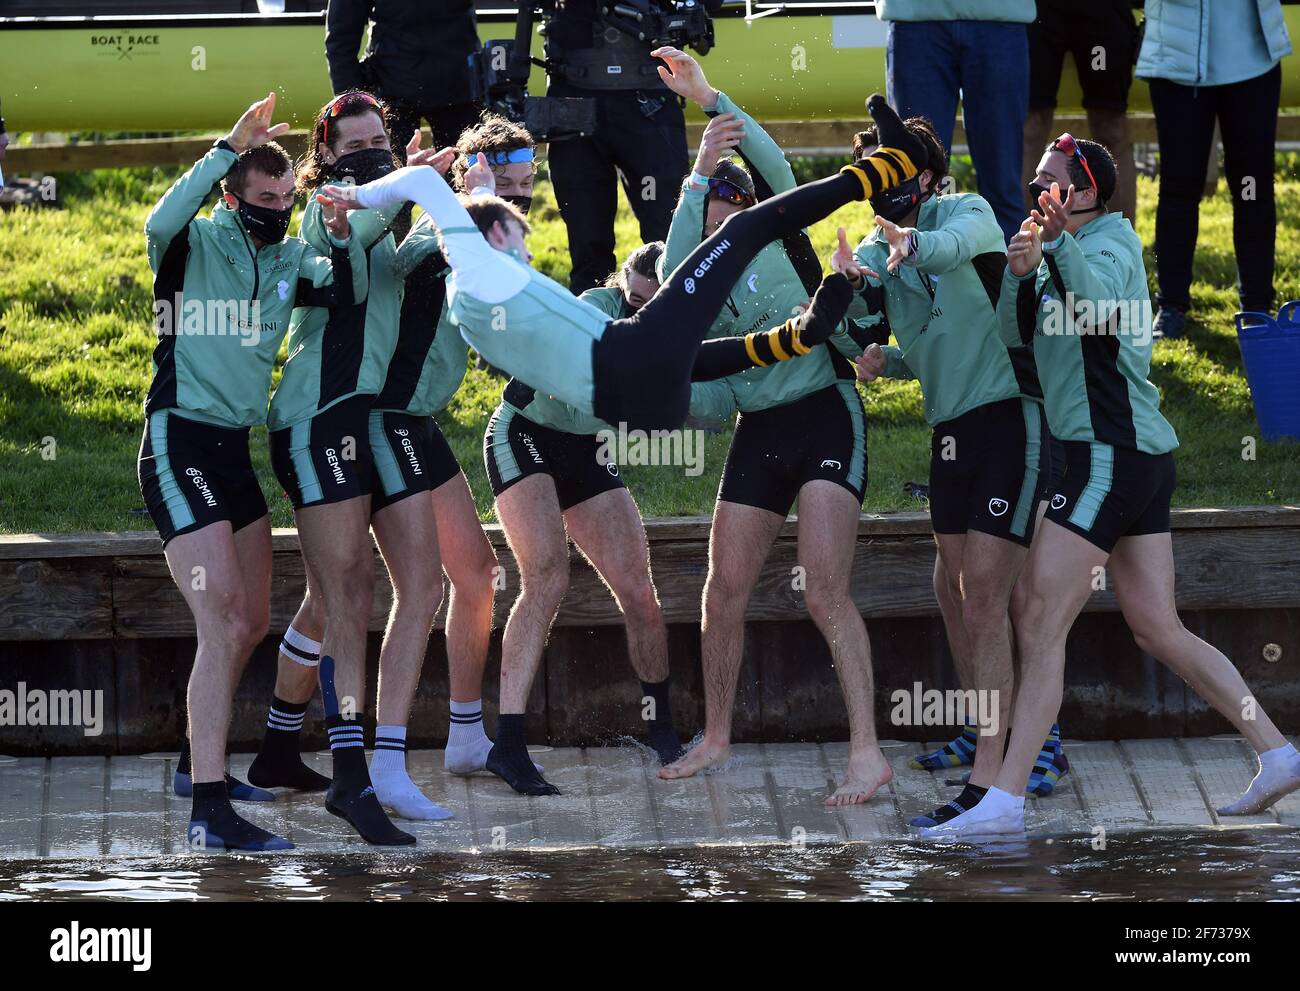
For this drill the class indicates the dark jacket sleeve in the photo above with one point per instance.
(345, 23)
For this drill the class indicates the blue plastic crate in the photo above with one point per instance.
(1270, 350)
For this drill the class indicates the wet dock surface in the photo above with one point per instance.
(88, 807)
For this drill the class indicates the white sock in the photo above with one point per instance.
(1279, 774)
(393, 786)
(997, 812)
(997, 802)
(467, 743)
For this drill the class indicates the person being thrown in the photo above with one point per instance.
(635, 370)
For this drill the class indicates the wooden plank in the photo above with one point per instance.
(620, 782)
(741, 800)
(22, 796)
(916, 792)
(799, 783)
(1166, 782)
(145, 542)
(57, 595)
(56, 600)
(74, 807)
(135, 808)
(796, 137)
(1105, 786)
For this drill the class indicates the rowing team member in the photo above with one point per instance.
(379, 363)
(341, 408)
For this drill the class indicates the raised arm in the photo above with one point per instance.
(969, 230)
(181, 203)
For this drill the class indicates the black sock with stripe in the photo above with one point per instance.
(351, 795)
(279, 763)
(660, 734)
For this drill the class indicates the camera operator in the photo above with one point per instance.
(416, 61)
(640, 129)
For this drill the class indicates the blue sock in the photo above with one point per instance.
(959, 753)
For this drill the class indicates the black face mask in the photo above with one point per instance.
(267, 225)
(896, 203)
(523, 202)
(1036, 189)
(365, 165)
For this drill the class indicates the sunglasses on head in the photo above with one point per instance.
(728, 192)
(1067, 144)
(344, 102)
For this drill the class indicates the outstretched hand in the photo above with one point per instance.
(337, 198)
(439, 160)
(899, 240)
(1025, 252)
(335, 218)
(871, 363)
(844, 261)
(1052, 214)
(480, 174)
(254, 128)
(683, 75)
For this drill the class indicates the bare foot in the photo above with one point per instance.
(699, 758)
(868, 772)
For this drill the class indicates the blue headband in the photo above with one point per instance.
(502, 157)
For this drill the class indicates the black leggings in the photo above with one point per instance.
(1247, 115)
(642, 364)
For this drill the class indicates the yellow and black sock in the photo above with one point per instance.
(899, 156)
(799, 335)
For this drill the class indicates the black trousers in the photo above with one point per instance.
(649, 152)
(642, 364)
(446, 123)
(1247, 116)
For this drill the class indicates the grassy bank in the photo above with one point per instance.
(75, 342)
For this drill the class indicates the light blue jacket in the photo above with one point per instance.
(1015, 11)
(1187, 42)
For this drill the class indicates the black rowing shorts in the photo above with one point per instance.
(776, 451)
(1113, 492)
(409, 455)
(325, 459)
(194, 474)
(987, 468)
(515, 447)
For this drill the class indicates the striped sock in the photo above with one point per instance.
(969, 798)
(300, 649)
(279, 763)
(960, 752)
(392, 783)
(347, 745)
(799, 335)
(285, 717)
(467, 742)
(1050, 766)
